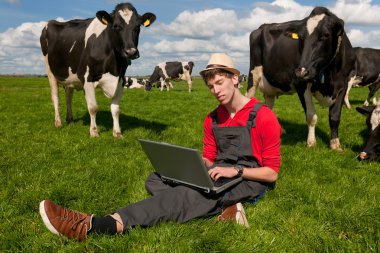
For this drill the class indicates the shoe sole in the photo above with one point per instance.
(46, 220)
(240, 215)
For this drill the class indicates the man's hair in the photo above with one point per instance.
(208, 74)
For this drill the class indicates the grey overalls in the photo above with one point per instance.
(181, 203)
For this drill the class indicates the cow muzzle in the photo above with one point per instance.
(148, 86)
(132, 53)
(302, 73)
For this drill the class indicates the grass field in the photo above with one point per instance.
(324, 201)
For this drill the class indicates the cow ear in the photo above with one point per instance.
(366, 110)
(104, 17)
(148, 19)
(292, 35)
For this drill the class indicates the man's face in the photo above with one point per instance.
(222, 87)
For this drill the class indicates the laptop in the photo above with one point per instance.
(183, 166)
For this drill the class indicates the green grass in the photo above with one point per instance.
(324, 201)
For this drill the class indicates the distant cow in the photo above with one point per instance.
(365, 72)
(175, 70)
(242, 78)
(309, 56)
(371, 149)
(92, 53)
(135, 83)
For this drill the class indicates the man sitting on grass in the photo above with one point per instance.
(241, 138)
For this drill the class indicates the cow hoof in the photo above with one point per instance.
(58, 124)
(117, 135)
(311, 144)
(337, 149)
(94, 133)
(335, 145)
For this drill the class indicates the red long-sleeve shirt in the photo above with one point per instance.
(265, 137)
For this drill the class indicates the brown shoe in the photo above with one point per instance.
(234, 213)
(63, 221)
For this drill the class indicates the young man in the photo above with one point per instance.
(241, 138)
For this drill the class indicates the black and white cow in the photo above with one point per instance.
(92, 53)
(311, 57)
(135, 83)
(371, 149)
(242, 78)
(175, 70)
(365, 72)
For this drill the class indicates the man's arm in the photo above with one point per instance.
(263, 174)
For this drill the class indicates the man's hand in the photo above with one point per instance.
(218, 172)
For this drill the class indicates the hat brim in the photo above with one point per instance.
(232, 70)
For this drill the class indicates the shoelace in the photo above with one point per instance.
(76, 218)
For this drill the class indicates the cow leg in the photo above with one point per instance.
(346, 97)
(269, 101)
(190, 84)
(115, 110)
(311, 115)
(162, 83)
(335, 111)
(372, 91)
(69, 101)
(92, 107)
(255, 77)
(54, 95)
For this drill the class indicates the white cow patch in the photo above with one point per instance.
(71, 49)
(313, 22)
(126, 14)
(375, 117)
(72, 78)
(108, 83)
(163, 68)
(96, 27)
(324, 101)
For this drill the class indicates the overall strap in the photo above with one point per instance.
(214, 117)
(251, 122)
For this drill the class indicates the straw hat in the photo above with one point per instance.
(221, 61)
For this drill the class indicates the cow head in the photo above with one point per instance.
(321, 41)
(371, 150)
(148, 85)
(124, 26)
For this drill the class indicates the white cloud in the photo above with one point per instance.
(357, 12)
(202, 24)
(20, 49)
(194, 35)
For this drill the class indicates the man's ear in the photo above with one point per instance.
(235, 80)
(148, 19)
(104, 17)
(366, 110)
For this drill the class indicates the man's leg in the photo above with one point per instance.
(178, 204)
(155, 185)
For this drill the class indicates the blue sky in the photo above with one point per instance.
(184, 29)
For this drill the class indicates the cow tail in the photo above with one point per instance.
(255, 54)
(43, 41)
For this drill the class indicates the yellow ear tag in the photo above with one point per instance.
(104, 21)
(295, 36)
(147, 22)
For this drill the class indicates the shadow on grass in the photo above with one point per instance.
(293, 133)
(359, 147)
(104, 118)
